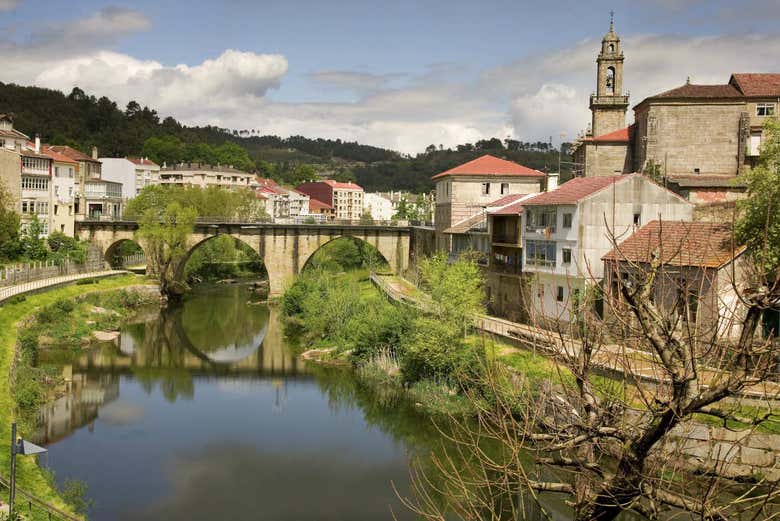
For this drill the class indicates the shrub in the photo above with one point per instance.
(84, 282)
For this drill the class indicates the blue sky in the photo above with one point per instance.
(398, 74)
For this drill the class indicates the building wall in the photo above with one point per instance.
(320, 191)
(10, 167)
(381, 208)
(602, 159)
(120, 170)
(504, 296)
(62, 198)
(541, 294)
(683, 137)
(606, 120)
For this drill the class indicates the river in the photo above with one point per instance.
(203, 412)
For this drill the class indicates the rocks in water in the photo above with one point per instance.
(106, 336)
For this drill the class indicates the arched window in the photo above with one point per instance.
(611, 48)
(610, 80)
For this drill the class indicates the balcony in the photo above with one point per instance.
(608, 100)
(103, 190)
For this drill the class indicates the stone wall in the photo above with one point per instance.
(683, 137)
(734, 454)
(504, 294)
(606, 159)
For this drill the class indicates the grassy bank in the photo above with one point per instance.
(30, 477)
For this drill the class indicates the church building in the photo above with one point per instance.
(696, 138)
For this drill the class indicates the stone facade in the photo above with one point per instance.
(688, 137)
(601, 159)
(10, 164)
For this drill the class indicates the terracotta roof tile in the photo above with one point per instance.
(680, 243)
(345, 186)
(507, 199)
(571, 192)
(490, 165)
(692, 91)
(142, 161)
(60, 158)
(621, 136)
(512, 209)
(316, 204)
(757, 84)
(72, 153)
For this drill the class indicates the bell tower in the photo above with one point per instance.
(608, 105)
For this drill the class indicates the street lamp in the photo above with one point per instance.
(24, 448)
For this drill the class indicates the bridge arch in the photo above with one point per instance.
(284, 248)
(181, 269)
(359, 242)
(115, 253)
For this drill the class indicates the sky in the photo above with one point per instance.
(401, 74)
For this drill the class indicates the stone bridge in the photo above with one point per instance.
(284, 248)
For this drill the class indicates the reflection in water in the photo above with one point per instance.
(202, 412)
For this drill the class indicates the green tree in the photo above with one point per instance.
(758, 225)
(165, 149)
(9, 225)
(456, 289)
(165, 235)
(33, 243)
(366, 219)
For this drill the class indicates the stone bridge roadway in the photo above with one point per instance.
(284, 248)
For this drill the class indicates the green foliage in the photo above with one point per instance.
(366, 219)
(221, 258)
(74, 492)
(171, 149)
(206, 202)
(455, 288)
(33, 244)
(758, 225)
(9, 225)
(166, 235)
(344, 254)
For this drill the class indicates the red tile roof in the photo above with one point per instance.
(690, 90)
(512, 209)
(142, 161)
(343, 186)
(507, 199)
(679, 243)
(620, 136)
(571, 192)
(490, 165)
(757, 84)
(72, 153)
(60, 158)
(316, 204)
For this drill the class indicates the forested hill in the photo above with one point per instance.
(84, 121)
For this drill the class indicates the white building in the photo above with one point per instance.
(567, 231)
(282, 203)
(63, 190)
(380, 207)
(194, 174)
(36, 187)
(133, 173)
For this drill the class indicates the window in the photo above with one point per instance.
(540, 253)
(697, 170)
(559, 296)
(754, 148)
(504, 188)
(56, 171)
(567, 217)
(56, 208)
(765, 109)
(541, 221)
(566, 253)
(637, 218)
(485, 188)
(35, 183)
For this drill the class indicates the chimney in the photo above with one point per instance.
(94, 153)
(37, 143)
(552, 181)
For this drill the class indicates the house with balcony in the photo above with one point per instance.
(464, 191)
(36, 186)
(567, 231)
(94, 197)
(203, 176)
(63, 190)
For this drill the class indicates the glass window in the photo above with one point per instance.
(540, 253)
(566, 253)
(504, 188)
(765, 109)
(485, 188)
(559, 296)
(541, 221)
(567, 217)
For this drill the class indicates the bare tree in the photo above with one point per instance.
(616, 444)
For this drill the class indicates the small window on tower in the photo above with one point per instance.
(610, 80)
(611, 48)
(637, 218)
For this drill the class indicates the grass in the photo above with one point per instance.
(30, 477)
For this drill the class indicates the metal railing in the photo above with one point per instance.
(22, 273)
(302, 220)
(30, 505)
(19, 289)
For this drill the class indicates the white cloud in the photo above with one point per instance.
(531, 99)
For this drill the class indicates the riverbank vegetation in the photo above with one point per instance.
(30, 477)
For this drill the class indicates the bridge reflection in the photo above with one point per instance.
(222, 335)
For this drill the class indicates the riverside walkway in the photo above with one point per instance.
(631, 363)
(8, 292)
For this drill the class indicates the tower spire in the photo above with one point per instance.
(612, 20)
